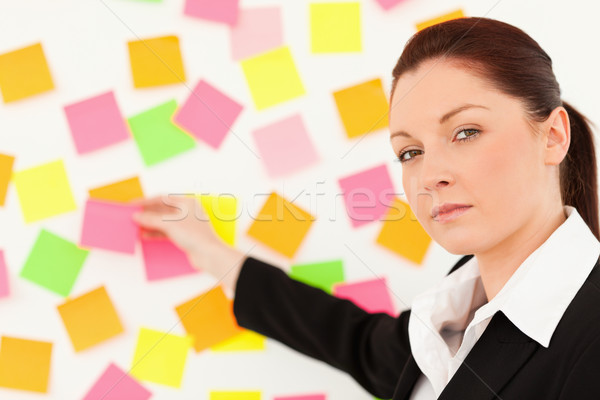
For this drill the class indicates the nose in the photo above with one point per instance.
(435, 171)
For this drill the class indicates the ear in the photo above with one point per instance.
(557, 129)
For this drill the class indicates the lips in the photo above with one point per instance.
(446, 208)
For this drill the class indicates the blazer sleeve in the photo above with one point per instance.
(372, 348)
(583, 382)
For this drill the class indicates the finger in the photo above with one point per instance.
(149, 220)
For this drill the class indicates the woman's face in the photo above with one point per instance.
(463, 142)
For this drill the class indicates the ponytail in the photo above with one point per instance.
(578, 176)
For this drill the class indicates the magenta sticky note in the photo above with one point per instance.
(302, 397)
(96, 123)
(115, 384)
(207, 114)
(285, 147)
(367, 194)
(257, 30)
(371, 295)
(387, 4)
(163, 259)
(109, 226)
(4, 291)
(225, 11)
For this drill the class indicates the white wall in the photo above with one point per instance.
(85, 44)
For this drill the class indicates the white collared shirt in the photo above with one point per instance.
(447, 320)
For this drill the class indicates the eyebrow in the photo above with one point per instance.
(444, 118)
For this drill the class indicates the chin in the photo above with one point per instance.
(457, 243)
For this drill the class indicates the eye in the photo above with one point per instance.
(467, 134)
(408, 155)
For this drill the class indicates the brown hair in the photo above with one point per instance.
(516, 65)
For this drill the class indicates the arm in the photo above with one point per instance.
(582, 382)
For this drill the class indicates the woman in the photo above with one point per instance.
(495, 165)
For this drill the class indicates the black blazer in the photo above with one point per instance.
(375, 350)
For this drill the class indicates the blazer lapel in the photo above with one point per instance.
(408, 379)
(498, 354)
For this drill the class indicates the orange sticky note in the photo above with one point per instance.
(363, 108)
(90, 319)
(156, 61)
(6, 165)
(208, 318)
(281, 225)
(25, 364)
(403, 234)
(24, 73)
(122, 191)
(446, 17)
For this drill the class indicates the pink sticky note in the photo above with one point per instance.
(225, 11)
(387, 4)
(372, 295)
(285, 146)
(303, 397)
(164, 260)
(257, 30)
(4, 291)
(109, 226)
(208, 114)
(115, 384)
(367, 194)
(96, 123)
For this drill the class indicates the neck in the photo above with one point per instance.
(497, 265)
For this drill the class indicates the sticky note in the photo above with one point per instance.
(367, 194)
(6, 165)
(25, 364)
(225, 11)
(44, 191)
(322, 275)
(24, 72)
(387, 4)
(285, 147)
(272, 77)
(234, 395)
(122, 191)
(90, 319)
(54, 263)
(403, 234)
(160, 357)
(208, 114)
(445, 17)
(208, 318)
(4, 287)
(372, 295)
(258, 29)
(109, 226)
(302, 397)
(116, 384)
(244, 341)
(96, 123)
(162, 259)
(363, 108)
(156, 61)
(157, 138)
(281, 225)
(222, 213)
(335, 27)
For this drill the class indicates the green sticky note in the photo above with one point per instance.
(54, 263)
(322, 275)
(156, 136)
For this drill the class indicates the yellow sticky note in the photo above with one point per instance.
(222, 212)
(6, 164)
(272, 77)
(44, 191)
(122, 191)
(335, 27)
(208, 318)
(156, 62)
(160, 357)
(363, 108)
(245, 341)
(90, 319)
(446, 17)
(24, 73)
(403, 234)
(281, 225)
(234, 395)
(25, 364)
